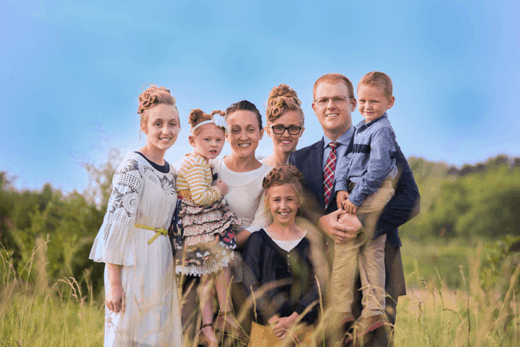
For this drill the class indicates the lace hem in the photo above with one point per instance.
(197, 270)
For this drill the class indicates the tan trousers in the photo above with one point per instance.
(368, 255)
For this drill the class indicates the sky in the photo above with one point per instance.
(71, 73)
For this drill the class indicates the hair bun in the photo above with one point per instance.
(284, 91)
(196, 116)
(281, 99)
(154, 95)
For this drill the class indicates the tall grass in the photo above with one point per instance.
(39, 313)
(45, 314)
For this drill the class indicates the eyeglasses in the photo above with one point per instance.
(280, 129)
(335, 100)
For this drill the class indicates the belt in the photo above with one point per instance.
(385, 184)
(158, 231)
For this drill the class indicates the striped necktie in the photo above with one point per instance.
(328, 173)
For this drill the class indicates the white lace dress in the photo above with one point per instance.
(143, 193)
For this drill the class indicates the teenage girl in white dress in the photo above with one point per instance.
(142, 308)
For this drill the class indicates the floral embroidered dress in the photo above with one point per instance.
(143, 194)
(208, 226)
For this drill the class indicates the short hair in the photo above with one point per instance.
(282, 99)
(377, 79)
(152, 97)
(245, 105)
(284, 174)
(334, 78)
(197, 116)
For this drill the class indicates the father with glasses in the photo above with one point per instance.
(333, 104)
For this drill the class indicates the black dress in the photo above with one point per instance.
(291, 274)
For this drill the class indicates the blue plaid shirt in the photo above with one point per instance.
(371, 161)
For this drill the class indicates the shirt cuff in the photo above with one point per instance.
(356, 199)
(341, 186)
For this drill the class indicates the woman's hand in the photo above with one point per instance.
(115, 300)
(282, 324)
(222, 186)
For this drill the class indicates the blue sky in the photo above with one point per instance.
(71, 72)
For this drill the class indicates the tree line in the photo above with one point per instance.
(57, 230)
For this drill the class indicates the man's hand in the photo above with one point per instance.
(352, 222)
(349, 207)
(341, 196)
(331, 224)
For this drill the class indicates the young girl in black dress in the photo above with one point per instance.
(279, 255)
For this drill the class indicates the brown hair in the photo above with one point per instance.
(282, 99)
(245, 105)
(377, 79)
(284, 174)
(152, 97)
(333, 78)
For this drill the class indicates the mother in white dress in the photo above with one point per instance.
(142, 307)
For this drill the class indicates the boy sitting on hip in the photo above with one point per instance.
(364, 185)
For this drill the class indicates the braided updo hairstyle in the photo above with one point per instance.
(152, 97)
(284, 174)
(282, 99)
(198, 116)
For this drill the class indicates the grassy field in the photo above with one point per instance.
(445, 305)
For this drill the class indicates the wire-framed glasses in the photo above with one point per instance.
(335, 100)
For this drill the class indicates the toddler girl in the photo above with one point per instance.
(208, 226)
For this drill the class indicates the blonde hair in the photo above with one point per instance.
(282, 99)
(377, 79)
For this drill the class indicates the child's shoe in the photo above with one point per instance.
(365, 325)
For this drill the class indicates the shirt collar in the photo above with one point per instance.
(362, 123)
(343, 139)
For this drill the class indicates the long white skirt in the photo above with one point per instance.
(151, 316)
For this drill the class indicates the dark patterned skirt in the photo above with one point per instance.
(207, 237)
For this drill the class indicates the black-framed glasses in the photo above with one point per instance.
(335, 100)
(280, 129)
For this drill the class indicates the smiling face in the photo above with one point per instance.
(373, 102)
(162, 127)
(286, 143)
(283, 203)
(335, 115)
(244, 133)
